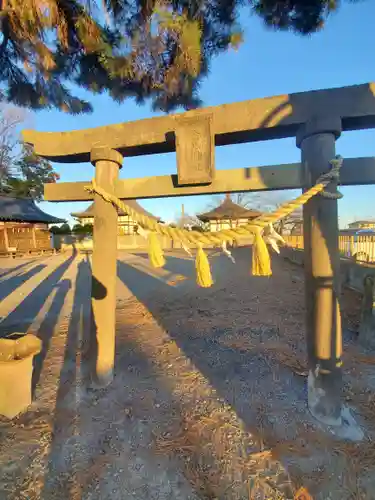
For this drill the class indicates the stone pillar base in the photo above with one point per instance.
(329, 412)
(322, 405)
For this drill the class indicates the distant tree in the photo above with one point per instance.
(143, 49)
(86, 229)
(200, 228)
(77, 229)
(55, 230)
(246, 200)
(65, 229)
(22, 173)
(290, 222)
(29, 174)
(89, 229)
(191, 221)
(263, 201)
(196, 224)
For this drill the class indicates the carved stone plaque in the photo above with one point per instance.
(195, 148)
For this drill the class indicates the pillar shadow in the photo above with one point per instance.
(184, 266)
(74, 373)
(100, 437)
(22, 317)
(201, 343)
(237, 376)
(104, 442)
(47, 328)
(8, 286)
(16, 268)
(175, 265)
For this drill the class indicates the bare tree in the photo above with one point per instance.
(187, 221)
(10, 120)
(263, 201)
(290, 222)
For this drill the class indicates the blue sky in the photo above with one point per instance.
(267, 63)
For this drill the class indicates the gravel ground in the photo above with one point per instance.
(209, 396)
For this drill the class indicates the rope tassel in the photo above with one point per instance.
(202, 266)
(261, 265)
(155, 252)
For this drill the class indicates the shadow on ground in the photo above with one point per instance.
(245, 335)
(102, 439)
(70, 388)
(9, 285)
(104, 443)
(14, 269)
(177, 265)
(199, 320)
(22, 316)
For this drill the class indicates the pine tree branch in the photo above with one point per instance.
(6, 33)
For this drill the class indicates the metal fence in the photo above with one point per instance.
(361, 248)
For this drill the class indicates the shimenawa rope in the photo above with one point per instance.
(261, 264)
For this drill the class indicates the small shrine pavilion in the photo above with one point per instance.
(23, 226)
(228, 215)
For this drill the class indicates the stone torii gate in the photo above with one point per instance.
(315, 118)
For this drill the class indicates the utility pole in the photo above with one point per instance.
(182, 222)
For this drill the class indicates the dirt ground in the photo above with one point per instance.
(209, 395)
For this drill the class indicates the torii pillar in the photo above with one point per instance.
(107, 163)
(322, 273)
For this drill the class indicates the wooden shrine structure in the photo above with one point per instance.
(316, 119)
(227, 215)
(126, 225)
(24, 227)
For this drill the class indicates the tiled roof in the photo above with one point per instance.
(229, 210)
(24, 210)
(89, 212)
(370, 221)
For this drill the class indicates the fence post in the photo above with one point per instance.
(34, 236)
(104, 266)
(366, 334)
(351, 246)
(6, 238)
(322, 273)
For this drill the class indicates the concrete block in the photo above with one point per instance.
(16, 368)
